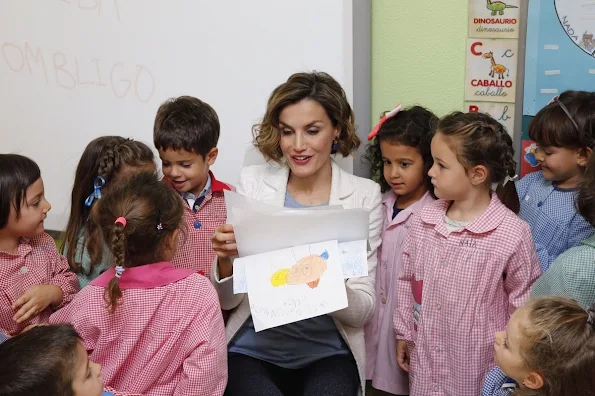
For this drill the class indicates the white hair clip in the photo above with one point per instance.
(506, 180)
(119, 271)
(509, 179)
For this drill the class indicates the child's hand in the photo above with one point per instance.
(35, 300)
(403, 355)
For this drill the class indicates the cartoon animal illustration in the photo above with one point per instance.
(587, 42)
(306, 271)
(496, 68)
(498, 7)
(530, 155)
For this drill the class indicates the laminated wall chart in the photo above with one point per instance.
(560, 55)
(491, 67)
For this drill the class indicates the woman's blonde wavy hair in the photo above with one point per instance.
(317, 86)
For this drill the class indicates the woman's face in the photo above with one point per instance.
(307, 136)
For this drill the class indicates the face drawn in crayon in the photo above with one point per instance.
(306, 271)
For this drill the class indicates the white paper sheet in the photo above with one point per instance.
(354, 258)
(274, 231)
(294, 284)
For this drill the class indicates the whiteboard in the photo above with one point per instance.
(73, 70)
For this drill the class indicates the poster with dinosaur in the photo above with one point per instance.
(494, 18)
(289, 285)
(491, 70)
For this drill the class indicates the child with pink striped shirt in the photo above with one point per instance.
(155, 329)
(469, 261)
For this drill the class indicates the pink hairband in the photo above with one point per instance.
(120, 220)
(383, 119)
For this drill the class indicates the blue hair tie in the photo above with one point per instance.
(97, 184)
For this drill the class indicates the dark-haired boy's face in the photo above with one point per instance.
(34, 209)
(86, 376)
(187, 171)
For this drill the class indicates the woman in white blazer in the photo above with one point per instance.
(308, 118)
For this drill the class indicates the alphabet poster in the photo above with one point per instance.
(501, 112)
(491, 70)
(494, 18)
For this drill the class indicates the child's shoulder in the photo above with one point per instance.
(197, 291)
(41, 241)
(433, 210)
(220, 186)
(512, 225)
(199, 285)
(534, 179)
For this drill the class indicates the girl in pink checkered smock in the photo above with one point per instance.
(106, 161)
(34, 278)
(155, 329)
(468, 262)
(400, 157)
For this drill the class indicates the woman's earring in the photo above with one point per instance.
(335, 147)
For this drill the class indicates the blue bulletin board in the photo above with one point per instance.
(559, 50)
(560, 55)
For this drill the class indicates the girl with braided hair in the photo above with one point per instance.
(468, 261)
(155, 329)
(105, 161)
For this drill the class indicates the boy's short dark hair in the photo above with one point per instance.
(186, 123)
(39, 361)
(17, 173)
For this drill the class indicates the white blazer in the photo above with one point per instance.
(268, 184)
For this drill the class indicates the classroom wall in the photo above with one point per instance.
(418, 54)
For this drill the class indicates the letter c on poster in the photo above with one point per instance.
(476, 44)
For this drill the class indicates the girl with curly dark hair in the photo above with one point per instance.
(399, 153)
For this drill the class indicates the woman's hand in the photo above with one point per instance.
(403, 355)
(224, 245)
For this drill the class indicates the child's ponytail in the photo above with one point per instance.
(506, 189)
(139, 220)
(118, 248)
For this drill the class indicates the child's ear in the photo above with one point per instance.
(533, 380)
(212, 156)
(170, 244)
(583, 155)
(478, 175)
